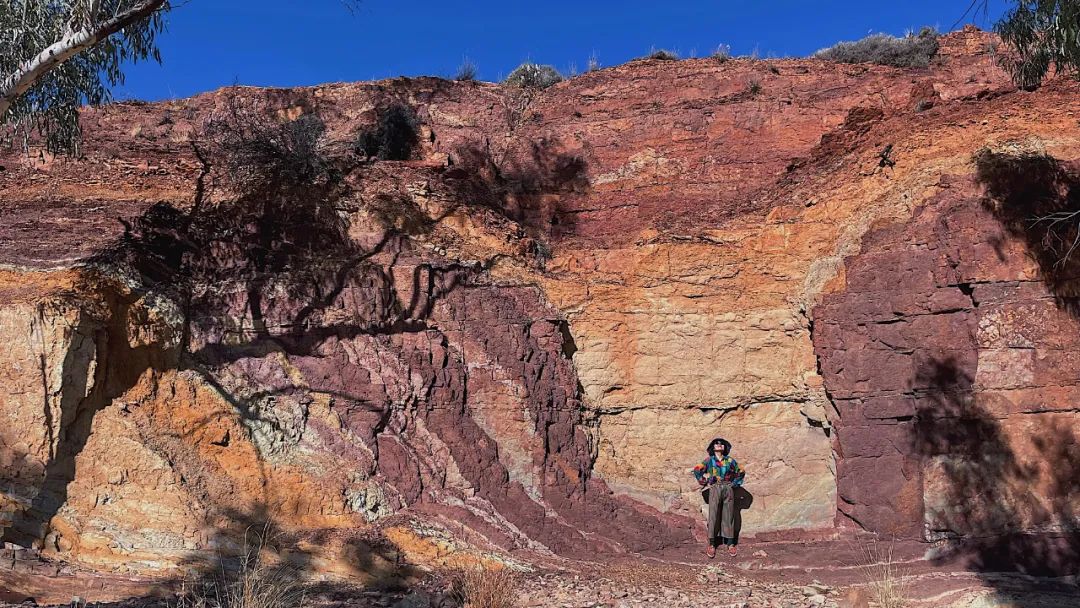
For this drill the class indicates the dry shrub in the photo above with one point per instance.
(911, 51)
(663, 55)
(487, 587)
(467, 71)
(253, 584)
(533, 76)
(279, 220)
(261, 152)
(594, 63)
(259, 586)
(198, 596)
(882, 576)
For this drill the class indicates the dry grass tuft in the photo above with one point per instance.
(253, 584)
(882, 576)
(189, 597)
(257, 586)
(487, 587)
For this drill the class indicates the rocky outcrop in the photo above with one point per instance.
(948, 358)
(528, 333)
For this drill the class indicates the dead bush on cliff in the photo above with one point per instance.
(260, 152)
(286, 190)
(722, 54)
(911, 51)
(1037, 199)
(284, 217)
(486, 587)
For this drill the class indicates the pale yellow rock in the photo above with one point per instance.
(648, 454)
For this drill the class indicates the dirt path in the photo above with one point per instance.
(766, 575)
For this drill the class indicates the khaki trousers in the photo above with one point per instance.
(722, 514)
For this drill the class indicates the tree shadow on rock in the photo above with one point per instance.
(394, 134)
(101, 362)
(259, 270)
(265, 270)
(271, 271)
(251, 562)
(525, 186)
(996, 499)
(251, 539)
(1037, 199)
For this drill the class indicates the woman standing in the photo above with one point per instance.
(720, 475)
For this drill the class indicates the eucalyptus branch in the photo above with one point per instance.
(67, 47)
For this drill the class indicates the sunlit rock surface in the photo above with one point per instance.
(554, 307)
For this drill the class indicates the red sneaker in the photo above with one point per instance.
(732, 551)
(711, 551)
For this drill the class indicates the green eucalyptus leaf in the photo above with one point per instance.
(50, 107)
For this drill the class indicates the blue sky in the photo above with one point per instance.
(213, 43)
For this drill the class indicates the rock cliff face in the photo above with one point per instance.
(534, 327)
(948, 355)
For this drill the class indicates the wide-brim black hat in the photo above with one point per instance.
(721, 441)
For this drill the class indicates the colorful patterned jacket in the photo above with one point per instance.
(723, 470)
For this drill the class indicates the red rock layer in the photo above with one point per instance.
(529, 331)
(950, 363)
